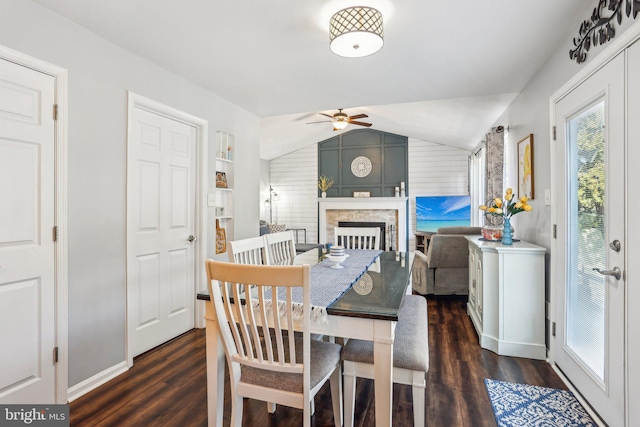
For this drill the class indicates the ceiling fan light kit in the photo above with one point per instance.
(340, 120)
(356, 32)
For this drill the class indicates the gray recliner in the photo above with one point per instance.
(445, 268)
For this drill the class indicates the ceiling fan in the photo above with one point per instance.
(340, 120)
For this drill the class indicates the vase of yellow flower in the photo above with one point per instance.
(506, 210)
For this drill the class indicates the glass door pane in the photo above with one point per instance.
(586, 291)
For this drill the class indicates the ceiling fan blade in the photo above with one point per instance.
(359, 123)
(331, 117)
(357, 116)
(321, 121)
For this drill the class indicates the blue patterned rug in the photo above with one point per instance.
(522, 405)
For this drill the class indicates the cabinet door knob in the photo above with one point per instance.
(191, 238)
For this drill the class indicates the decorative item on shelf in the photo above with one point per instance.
(221, 238)
(402, 192)
(397, 192)
(325, 183)
(506, 210)
(221, 180)
(225, 142)
(361, 194)
(220, 211)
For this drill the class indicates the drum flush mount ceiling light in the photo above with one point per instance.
(356, 31)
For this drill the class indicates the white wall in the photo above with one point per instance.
(294, 177)
(100, 74)
(529, 113)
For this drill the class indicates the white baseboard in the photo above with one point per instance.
(96, 381)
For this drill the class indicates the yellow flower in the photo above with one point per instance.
(509, 190)
(498, 202)
(483, 208)
(508, 196)
(527, 208)
(492, 209)
(499, 211)
(518, 205)
(524, 199)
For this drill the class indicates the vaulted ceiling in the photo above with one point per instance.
(447, 71)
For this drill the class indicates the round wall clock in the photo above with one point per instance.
(361, 166)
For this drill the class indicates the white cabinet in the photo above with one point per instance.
(506, 297)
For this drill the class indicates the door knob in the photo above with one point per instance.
(191, 238)
(615, 272)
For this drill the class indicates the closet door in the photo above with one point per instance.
(633, 233)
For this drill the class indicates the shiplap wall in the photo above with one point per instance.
(434, 169)
(294, 177)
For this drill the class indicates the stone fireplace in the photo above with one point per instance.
(389, 210)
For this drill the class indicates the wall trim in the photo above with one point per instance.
(97, 380)
(202, 140)
(61, 205)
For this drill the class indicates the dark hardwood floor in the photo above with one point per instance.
(167, 385)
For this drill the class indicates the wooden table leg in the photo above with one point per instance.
(383, 366)
(215, 369)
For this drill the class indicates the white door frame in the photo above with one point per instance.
(202, 130)
(614, 48)
(60, 207)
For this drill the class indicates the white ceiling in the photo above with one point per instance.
(447, 70)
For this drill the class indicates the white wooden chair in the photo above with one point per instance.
(279, 247)
(272, 364)
(410, 359)
(357, 237)
(247, 251)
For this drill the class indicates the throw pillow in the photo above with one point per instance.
(277, 228)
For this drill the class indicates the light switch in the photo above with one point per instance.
(547, 197)
(211, 200)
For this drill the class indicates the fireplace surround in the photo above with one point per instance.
(390, 210)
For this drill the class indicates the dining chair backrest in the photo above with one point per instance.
(357, 237)
(273, 348)
(247, 251)
(279, 247)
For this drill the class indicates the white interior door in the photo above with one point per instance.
(160, 229)
(27, 264)
(590, 219)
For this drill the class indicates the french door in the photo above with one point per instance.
(590, 208)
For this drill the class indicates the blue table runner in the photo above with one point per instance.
(327, 284)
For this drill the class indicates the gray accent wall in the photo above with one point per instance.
(100, 74)
(389, 159)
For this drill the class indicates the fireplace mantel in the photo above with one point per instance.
(398, 204)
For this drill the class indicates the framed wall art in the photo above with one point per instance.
(525, 167)
(221, 180)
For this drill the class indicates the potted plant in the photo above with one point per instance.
(324, 183)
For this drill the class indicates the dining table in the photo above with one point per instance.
(367, 310)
